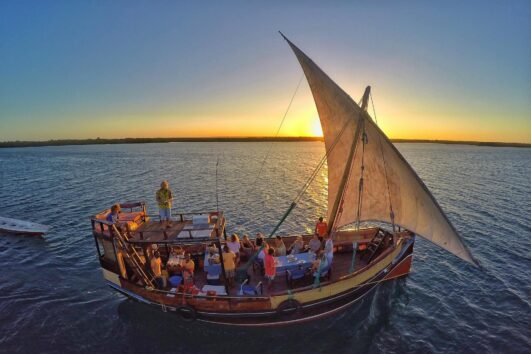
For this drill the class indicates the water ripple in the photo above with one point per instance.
(51, 290)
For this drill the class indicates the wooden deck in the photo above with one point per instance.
(181, 230)
(340, 267)
(155, 231)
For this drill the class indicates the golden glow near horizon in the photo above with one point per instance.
(74, 72)
(259, 117)
(255, 114)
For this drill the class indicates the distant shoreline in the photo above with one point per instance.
(98, 141)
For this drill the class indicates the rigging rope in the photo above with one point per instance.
(373, 110)
(217, 194)
(391, 212)
(276, 135)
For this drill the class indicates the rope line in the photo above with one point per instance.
(391, 212)
(373, 110)
(276, 135)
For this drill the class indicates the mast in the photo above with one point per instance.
(346, 173)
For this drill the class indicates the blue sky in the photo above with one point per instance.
(79, 69)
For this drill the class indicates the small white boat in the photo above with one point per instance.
(22, 227)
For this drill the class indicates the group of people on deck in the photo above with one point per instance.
(178, 263)
(235, 250)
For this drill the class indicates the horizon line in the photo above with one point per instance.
(98, 141)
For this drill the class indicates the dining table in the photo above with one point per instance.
(295, 261)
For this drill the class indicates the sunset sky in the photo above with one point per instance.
(455, 70)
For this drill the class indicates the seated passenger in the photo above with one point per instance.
(177, 252)
(113, 216)
(270, 267)
(156, 268)
(213, 254)
(297, 246)
(214, 259)
(229, 263)
(280, 247)
(259, 239)
(248, 247)
(314, 244)
(175, 259)
(247, 243)
(211, 248)
(320, 263)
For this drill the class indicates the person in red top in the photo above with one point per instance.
(321, 229)
(270, 267)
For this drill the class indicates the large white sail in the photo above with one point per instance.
(389, 182)
(339, 116)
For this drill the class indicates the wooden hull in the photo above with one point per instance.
(301, 306)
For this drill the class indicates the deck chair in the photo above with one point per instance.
(246, 289)
(294, 275)
(213, 272)
(325, 273)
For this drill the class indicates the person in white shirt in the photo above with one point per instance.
(234, 246)
(280, 247)
(329, 249)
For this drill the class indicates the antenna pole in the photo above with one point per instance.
(217, 195)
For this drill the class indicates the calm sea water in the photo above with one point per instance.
(53, 298)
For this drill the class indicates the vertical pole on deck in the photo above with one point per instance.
(217, 196)
(222, 266)
(353, 262)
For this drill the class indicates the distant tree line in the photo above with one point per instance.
(98, 141)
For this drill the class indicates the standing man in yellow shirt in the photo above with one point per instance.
(188, 270)
(165, 199)
(229, 263)
(156, 268)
